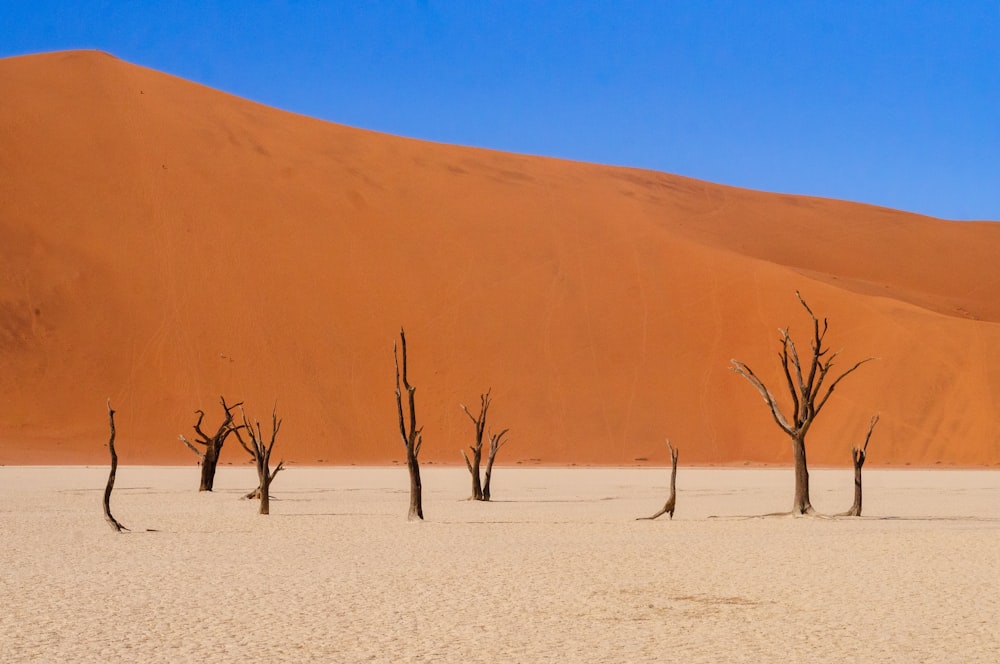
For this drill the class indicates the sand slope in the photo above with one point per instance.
(164, 243)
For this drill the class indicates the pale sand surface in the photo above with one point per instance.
(556, 569)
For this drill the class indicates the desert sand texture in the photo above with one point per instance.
(164, 244)
(556, 569)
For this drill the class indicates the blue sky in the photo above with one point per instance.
(891, 103)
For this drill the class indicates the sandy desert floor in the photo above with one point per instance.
(556, 569)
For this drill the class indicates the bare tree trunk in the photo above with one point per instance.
(260, 454)
(208, 465)
(496, 442)
(473, 466)
(672, 500)
(412, 438)
(859, 456)
(111, 476)
(801, 503)
(416, 489)
(212, 444)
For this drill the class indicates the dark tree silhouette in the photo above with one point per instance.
(671, 503)
(805, 388)
(112, 521)
(212, 444)
(858, 455)
(260, 454)
(412, 436)
(496, 442)
(480, 490)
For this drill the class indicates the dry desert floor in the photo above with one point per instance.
(556, 569)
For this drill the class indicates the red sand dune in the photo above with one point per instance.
(164, 244)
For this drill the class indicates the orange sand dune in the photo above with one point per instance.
(164, 243)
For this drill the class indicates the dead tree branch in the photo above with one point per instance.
(412, 436)
(671, 503)
(496, 442)
(112, 521)
(858, 455)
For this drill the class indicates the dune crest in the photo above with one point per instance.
(165, 244)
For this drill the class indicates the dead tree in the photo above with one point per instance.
(496, 442)
(859, 455)
(805, 388)
(672, 501)
(260, 454)
(476, 448)
(212, 444)
(412, 438)
(112, 521)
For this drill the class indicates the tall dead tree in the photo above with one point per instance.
(479, 422)
(212, 444)
(805, 388)
(412, 437)
(112, 521)
(858, 455)
(672, 500)
(496, 442)
(260, 454)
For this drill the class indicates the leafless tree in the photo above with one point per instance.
(479, 422)
(260, 454)
(212, 444)
(112, 521)
(859, 455)
(671, 503)
(412, 437)
(805, 388)
(496, 442)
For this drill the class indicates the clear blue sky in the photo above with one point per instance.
(891, 103)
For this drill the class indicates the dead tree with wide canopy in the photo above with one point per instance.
(805, 383)
(858, 455)
(260, 454)
(212, 444)
(670, 505)
(412, 436)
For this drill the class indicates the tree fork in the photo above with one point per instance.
(496, 442)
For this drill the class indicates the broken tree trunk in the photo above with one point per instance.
(212, 444)
(260, 454)
(112, 521)
(496, 442)
(476, 448)
(412, 437)
(859, 456)
(671, 503)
